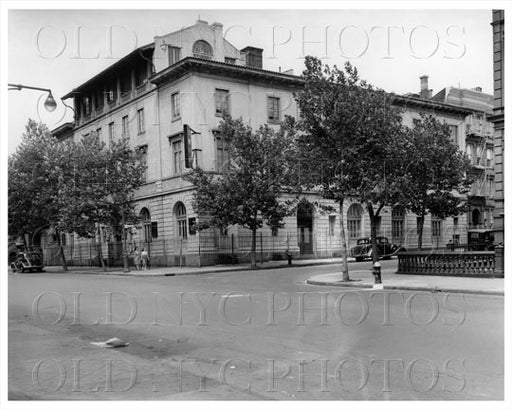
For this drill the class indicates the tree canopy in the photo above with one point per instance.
(254, 176)
(69, 186)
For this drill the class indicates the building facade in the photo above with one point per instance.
(191, 78)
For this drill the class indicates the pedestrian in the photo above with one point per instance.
(145, 258)
(136, 258)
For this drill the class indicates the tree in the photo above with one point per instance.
(247, 191)
(37, 178)
(435, 179)
(70, 187)
(104, 181)
(349, 141)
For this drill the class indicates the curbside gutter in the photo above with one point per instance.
(407, 288)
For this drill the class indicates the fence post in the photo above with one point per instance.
(232, 248)
(181, 252)
(199, 247)
(261, 246)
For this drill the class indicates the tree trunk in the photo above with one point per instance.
(253, 248)
(100, 250)
(344, 253)
(126, 267)
(373, 232)
(61, 250)
(421, 221)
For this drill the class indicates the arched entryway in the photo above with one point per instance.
(305, 212)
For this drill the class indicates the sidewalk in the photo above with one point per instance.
(190, 270)
(391, 281)
(359, 278)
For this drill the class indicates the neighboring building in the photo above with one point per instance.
(498, 118)
(479, 146)
(191, 78)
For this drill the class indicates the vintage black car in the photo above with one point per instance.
(363, 249)
(28, 261)
(480, 240)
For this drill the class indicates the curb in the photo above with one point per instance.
(237, 269)
(409, 288)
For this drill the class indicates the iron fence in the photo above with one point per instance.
(213, 247)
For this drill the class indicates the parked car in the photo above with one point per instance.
(363, 248)
(480, 240)
(28, 261)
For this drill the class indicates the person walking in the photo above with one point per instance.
(137, 258)
(145, 259)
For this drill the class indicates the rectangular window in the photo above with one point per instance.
(453, 132)
(397, 228)
(222, 153)
(273, 109)
(177, 157)
(221, 102)
(111, 95)
(488, 159)
(141, 74)
(174, 55)
(192, 228)
(140, 121)
(126, 83)
(182, 228)
(229, 60)
(154, 229)
(354, 228)
(455, 222)
(175, 106)
(436, 228)
(274, 231)
(87, 105)
(143, 150)
(124, 128)
(332, 225)
(111, 132)
(469, 151)
(99, 133)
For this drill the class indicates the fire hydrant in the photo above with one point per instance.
(289, 256)
(376, 272)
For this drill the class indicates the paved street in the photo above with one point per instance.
(249, 335)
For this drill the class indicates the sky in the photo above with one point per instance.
(60, 49)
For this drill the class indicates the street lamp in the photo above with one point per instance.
(49, 103)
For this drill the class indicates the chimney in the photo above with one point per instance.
(253, 57)
(424, 90)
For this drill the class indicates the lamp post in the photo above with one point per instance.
(49, 103)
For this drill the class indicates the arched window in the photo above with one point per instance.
(397, 223)
(354, 217)
(145, 217)
(202, 49)
(180, 213)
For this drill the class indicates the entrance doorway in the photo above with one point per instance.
(305, 228)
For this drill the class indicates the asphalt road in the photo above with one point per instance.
(248, 335)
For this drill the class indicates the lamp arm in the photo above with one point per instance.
(19, 87)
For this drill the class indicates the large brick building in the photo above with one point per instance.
(191, 77)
